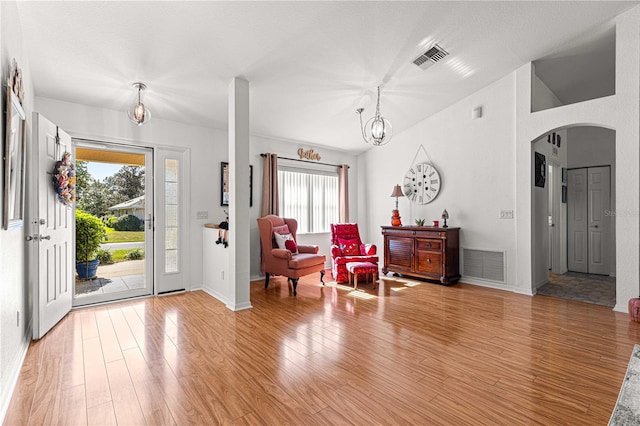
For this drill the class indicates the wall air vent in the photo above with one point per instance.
(430, 57)
(484, 264)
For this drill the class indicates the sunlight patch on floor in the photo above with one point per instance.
(361, 295)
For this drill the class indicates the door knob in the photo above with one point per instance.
(594, 226)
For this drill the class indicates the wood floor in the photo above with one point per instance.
(404, 353)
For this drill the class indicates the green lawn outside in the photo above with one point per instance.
(114, 236)
(119, 255)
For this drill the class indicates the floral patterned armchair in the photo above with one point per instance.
(346, 246)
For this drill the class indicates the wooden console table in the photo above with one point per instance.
(422, 251)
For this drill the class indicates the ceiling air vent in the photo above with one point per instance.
(430, 57)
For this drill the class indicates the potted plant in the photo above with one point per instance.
(89, 234)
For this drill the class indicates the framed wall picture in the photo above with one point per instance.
(564, 194)
(14, 162)
(540, 170)
(224, 184)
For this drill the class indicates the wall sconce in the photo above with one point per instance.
(138, 112)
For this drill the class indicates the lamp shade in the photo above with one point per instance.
(397, 191)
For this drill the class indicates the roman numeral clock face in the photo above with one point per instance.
(421, 183)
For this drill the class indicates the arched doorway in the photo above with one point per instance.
(573, 214)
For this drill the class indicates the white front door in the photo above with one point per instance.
(51, 260)
(126, 277)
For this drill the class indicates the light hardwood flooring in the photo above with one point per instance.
(405, 353)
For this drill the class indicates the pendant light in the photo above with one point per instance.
(138, 112)
(377, 131)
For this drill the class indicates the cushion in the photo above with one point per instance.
(291, 246)
(306, 260)
(281, 241)
(349, 247)
(282, 229)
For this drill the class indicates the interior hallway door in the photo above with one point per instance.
(589, 196)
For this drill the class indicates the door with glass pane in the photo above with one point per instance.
(172, 272)
(115, 199)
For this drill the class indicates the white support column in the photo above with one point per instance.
(239, 254)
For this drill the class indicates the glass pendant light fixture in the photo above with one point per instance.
(377, 130)
(138, 112)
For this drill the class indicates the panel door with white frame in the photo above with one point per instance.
(588, 226)
(51, 221)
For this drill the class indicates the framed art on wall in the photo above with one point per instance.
(224, 184)
(540, 170)
(14, 162)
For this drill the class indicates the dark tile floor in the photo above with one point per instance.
(597, 289)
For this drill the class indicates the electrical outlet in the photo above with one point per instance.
(506, 214)
(202, 215)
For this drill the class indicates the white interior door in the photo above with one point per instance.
(588, 199)
(599, 189)
(51, 260)
(577, 225)
(555, 200)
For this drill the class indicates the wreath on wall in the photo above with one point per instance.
(64, 180)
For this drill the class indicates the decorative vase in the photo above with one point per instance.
(87, 270)
(395, 218)
(634, 309)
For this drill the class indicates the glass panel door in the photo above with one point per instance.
(114, 222)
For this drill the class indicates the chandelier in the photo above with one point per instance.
(139, 113)
(377, 130)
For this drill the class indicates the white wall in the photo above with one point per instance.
(207, 148)
(619, 112)
(541, 96)
(475, 159)
(287, 148)
(15, 293)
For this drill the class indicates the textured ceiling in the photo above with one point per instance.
(310, 64)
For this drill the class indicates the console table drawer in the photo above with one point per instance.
(435, 245)
(429, 263)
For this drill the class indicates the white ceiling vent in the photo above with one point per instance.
(430, 57)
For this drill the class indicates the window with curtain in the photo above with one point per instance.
(310, 197)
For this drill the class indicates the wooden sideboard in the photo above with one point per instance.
(422, 251)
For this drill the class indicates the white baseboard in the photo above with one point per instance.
(485, 283)
(7, 392)
(215, 295)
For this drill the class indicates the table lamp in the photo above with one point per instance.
(445, 216)
(395, 214)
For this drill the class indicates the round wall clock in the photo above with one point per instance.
(421, 183)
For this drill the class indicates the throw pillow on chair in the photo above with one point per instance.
(291, 246)
(349, 247)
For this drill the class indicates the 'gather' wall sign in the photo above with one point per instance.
(308, 155)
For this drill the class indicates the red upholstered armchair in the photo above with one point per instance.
(346, 246)
(293, 260)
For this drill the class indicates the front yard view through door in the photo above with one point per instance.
(113, 237)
